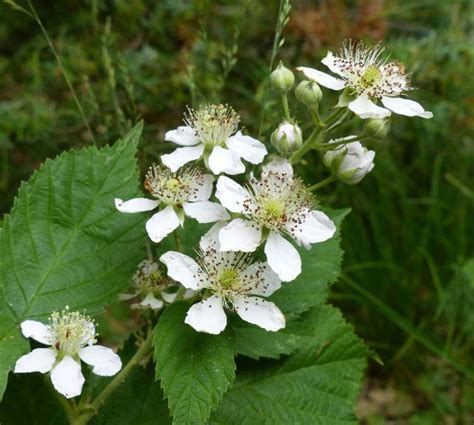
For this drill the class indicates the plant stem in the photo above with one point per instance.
(286, 108)
(63, 70)
(323, 183)
(176, 241)
(313, 139)
(94, 407)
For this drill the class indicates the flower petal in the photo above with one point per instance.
(231, 194)
(39, 360)
(183, 269)
(162, 224)
(206, 211)
(36, 330)
(104, 361)
(331, 63)
(322, 78)
(282, 257)
(225, 161)
(204, 190)
(67, 377)
(247, 147)
(175, 160)
(260, 279)
(365, 108)
(278, 165)
(240, 235)
(314, 226)
(207, 316)
(183, 136)
(407, 107)
(152, 302)
(211, 239)
(136, 205)
(259, 312)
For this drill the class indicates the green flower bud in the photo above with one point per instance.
(377, 128)
(287, 138)
(282, 79)
(308, 93)
(346, 97)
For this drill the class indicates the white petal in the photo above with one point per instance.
(183, 136)
(260, 279)
(282, 257)
(225, 161)
(67, 377)
(203, 192)
(175, 160)
(365, 108)
(407, 107)
(206, 211)
(259, 312)
(39, 360)
(247, 147)
(231, 194)
(104, 361)
(136, 205)
(127, 297)
(152, 302)
(330, 62)
(322, 78)
(315, 227)
(207, 316)
(169, 297)
(36, 330)
(278, 165)
(211, 239)
(240, 235)
(183, 269)
(162, 224)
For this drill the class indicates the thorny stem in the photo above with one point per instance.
(63, 70)
(323, 183)
(93, 408)
(330, 146)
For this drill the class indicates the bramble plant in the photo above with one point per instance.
(229, 255)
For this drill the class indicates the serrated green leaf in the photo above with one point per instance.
(195, 369)
(64, 243)
(319, 384)
(321, 266)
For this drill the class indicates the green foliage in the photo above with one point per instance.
(195, 369)
(64, 242)
(318, 384)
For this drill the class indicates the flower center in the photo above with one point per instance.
(172, 185)
(213, 124)
(70, 331)
(274, 209)
(229, 279)
(371, 76)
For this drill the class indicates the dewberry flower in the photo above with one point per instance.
(185, 192)
(350, 162)
(212, 131)
(71, 336)
(276, 205)
(151, 285)
(231, 280)
(370, 78)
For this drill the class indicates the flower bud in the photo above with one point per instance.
(282, 79)
(287, 138)
(308, 93)
(350, 163)
(377, 128)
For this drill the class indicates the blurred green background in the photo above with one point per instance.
(408, 283)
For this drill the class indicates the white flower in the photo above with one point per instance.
(276, 204)
(370, 77)
(186, 192)
(151, 285)
(211, 131)
(350, 162)
(231, 281)
(71, 336)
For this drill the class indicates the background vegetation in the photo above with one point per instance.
(408, 284)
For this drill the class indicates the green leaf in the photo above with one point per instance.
(321, 267)
(64, 243)
(319, 384)
(195, 369)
